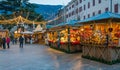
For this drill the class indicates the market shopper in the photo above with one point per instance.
(8, 42)
(0, 42)
(21, 40)
(4, 42)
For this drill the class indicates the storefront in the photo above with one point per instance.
(101, 38)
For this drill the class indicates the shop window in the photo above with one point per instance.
(93, 2)
(88, 4)
(116, 8)
(106, 9)
(99, 1)
(99, 12)
(84, 7)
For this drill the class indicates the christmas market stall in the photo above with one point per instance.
(4, 33)
(28, 36)
(101, 38)
(65, 37)
(39, 34)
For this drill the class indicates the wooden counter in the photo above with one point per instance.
(100, 52)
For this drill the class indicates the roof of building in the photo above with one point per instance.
(106, 15)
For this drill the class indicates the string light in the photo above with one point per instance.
(20, 19)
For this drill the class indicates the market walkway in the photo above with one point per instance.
(38, 57)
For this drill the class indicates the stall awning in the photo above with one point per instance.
(106, 15)
(69, 23)
(27, 32)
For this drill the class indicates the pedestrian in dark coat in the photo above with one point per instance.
(4, 42)
(0, 41)
(21, 39)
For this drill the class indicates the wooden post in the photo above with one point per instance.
(58, 42)
(68, 39)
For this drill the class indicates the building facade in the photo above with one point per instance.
(82, 9)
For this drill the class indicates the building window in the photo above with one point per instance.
(66, 16)
(116, 8)
(77, 11)
(93, 13)
(99, 1)
(93, 2)
(69, 8)
(84, 17)
(88, 15)
(84, 7)
(80, 9)
(99, 12)
(69, 14)
(72, 12)
(80, 1)
(106, 9)
(88, 4)
(73, 6)
(76, 2)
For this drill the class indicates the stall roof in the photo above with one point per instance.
(38, 28)
(106, 15)
(70, 23)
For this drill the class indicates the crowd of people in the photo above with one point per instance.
(5, 42)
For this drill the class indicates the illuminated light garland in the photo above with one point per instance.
(20, 19)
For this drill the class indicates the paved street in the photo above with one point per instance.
(39, 57)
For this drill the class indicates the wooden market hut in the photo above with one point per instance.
(101, 38)
(4, 33)
(39, 34)
(64, 37)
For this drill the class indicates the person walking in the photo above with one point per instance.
(0, 41)
(21, 39)
(8, 42)
(4, 42)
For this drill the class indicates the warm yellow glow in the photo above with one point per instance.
(20, 19)
(82, 29)
(15, 32)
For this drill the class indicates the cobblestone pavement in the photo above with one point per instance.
(39, 57)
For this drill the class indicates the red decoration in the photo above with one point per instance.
(63, 42)
(75, 43)
(117, 34)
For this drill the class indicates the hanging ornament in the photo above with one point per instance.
(110, 29)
